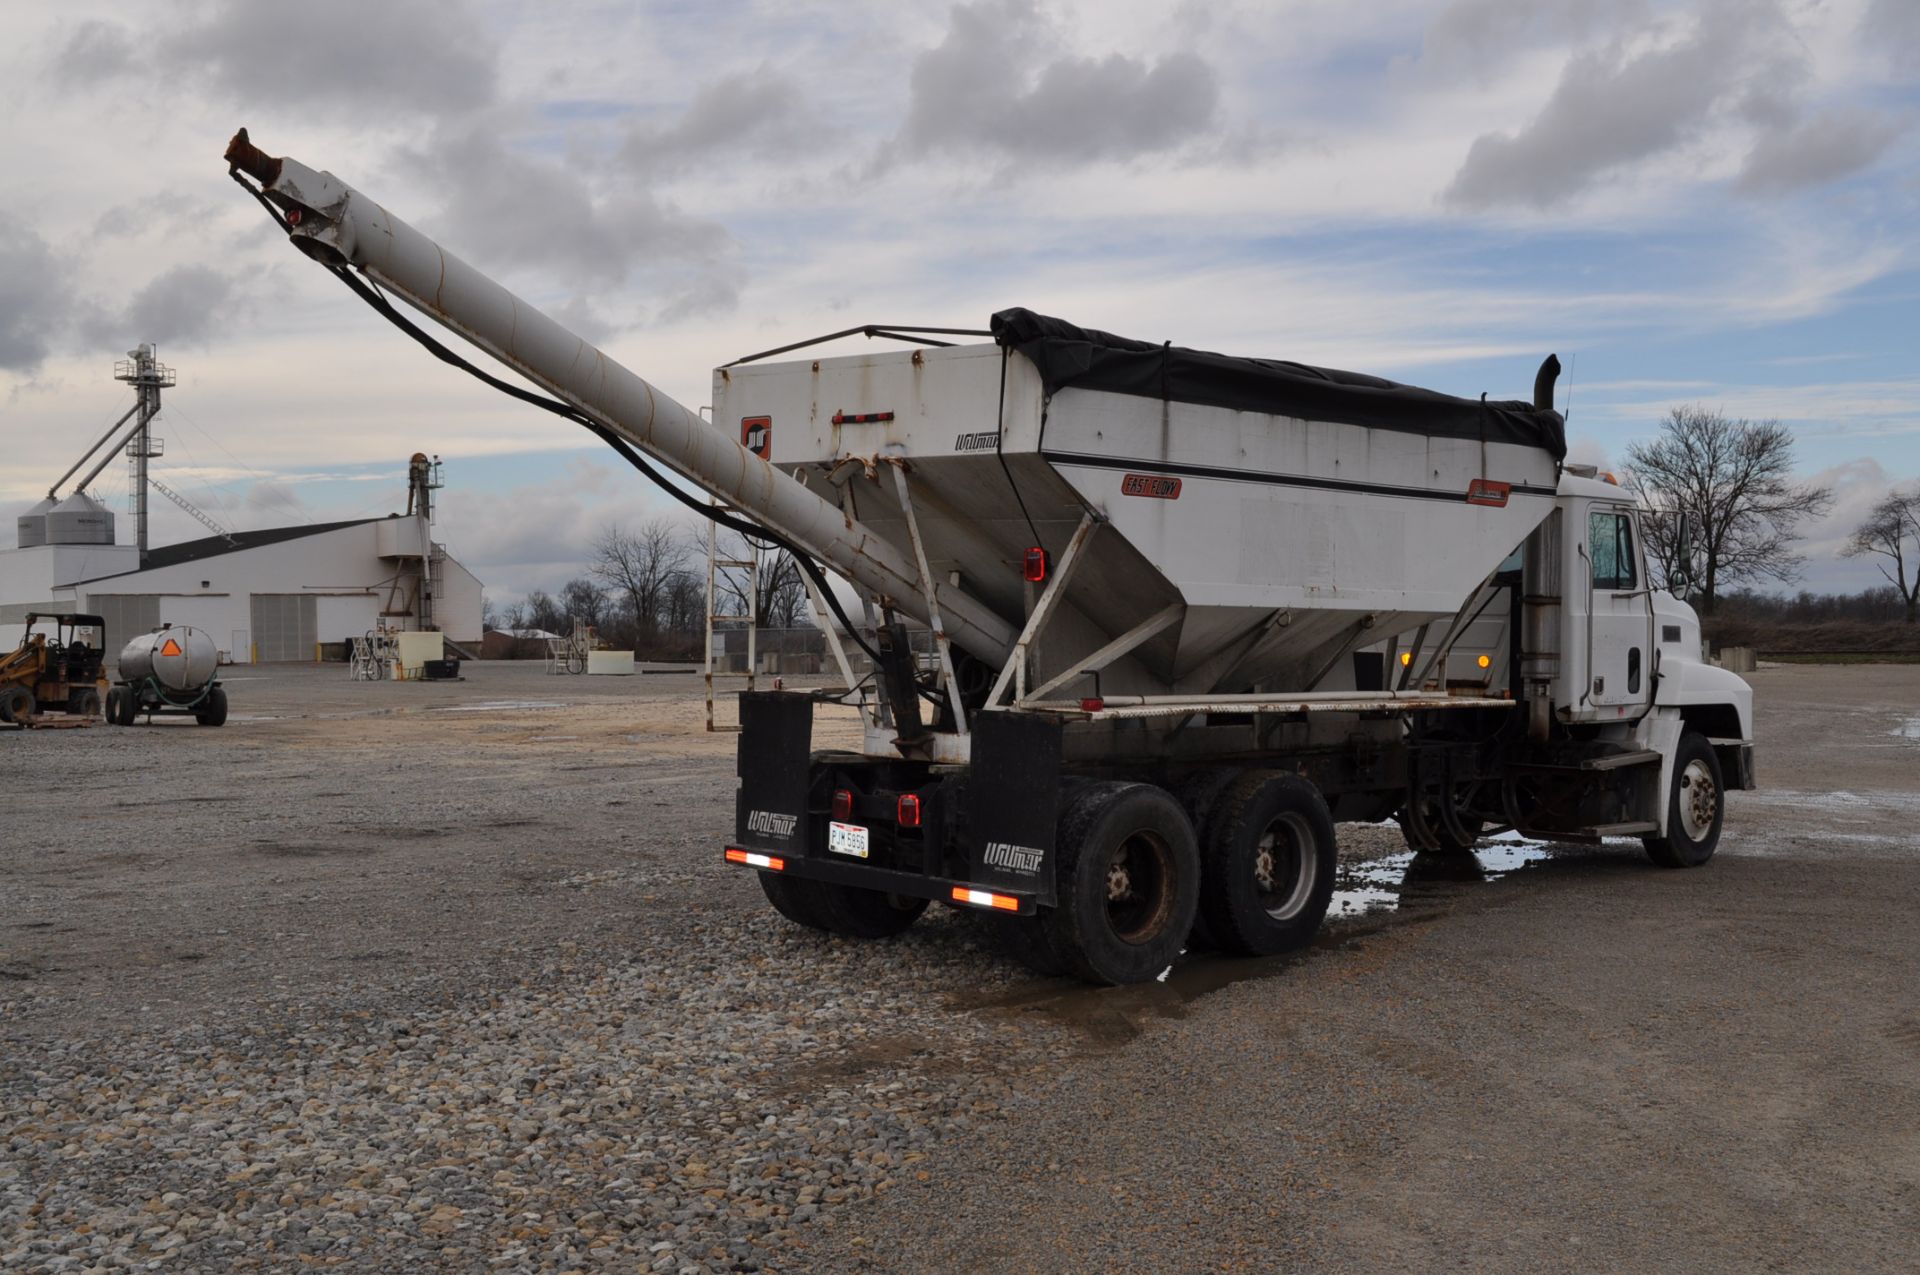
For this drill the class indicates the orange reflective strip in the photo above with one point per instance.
(985, 899)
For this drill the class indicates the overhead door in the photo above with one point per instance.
(284, 627)
(127, 616)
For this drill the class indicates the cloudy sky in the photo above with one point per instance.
(1715, 201)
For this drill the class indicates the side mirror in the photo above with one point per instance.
(1680, 577)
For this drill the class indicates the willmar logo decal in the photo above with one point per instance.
(756, 435)
(1158, 486)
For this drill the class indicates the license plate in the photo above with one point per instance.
(847, 838)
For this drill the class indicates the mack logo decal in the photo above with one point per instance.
(769, 824)
(1158, 486)
(1022, 859)
(984, 442)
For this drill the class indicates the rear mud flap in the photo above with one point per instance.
(770, 806)
(1012, 801)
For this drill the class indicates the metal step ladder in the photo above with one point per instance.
(717, 569)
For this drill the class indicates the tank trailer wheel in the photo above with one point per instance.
(16, 704)
(1696, 807)
(840, 909)
(1128, 883)
(212, 710)
(129, 706)
(1269, 861)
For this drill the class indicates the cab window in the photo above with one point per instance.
(1610, 548)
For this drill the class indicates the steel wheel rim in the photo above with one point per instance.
(1698, 799)
(1139, 887)
(1285, 867)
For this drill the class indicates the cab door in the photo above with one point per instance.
(1620, 614)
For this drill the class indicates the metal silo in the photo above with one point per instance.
(32, 524)
(80, 520)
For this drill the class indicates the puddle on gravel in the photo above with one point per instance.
(497, 706)
(1909, 729)
(1369, 898)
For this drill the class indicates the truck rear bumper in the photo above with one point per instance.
(911, 885)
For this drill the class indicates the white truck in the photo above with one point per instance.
(1185, 611)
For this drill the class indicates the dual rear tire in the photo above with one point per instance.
(1134, 879)
(840, 909)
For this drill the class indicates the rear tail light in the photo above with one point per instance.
(842, 803)
(1034, 564)
(985, 899)
(907, 810)
(1092, 704)
(748, 859)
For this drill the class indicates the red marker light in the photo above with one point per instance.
(907, 810)
(1034, 565)
(293, 216)
(842, 804)
(1092, 704)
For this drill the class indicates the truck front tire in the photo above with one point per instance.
(1269, 864)
(1127, 874)
(1696, 806)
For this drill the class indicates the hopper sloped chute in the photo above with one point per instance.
(1255, 519)
(1299, 512)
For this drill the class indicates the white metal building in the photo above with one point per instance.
(262, 595)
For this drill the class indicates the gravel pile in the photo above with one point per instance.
(704, 1114)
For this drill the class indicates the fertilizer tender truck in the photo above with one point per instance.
(1182, 612)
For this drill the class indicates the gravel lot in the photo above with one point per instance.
(402, 976)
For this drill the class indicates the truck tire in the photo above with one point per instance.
(1029, 939)
(16, 704)
(1199, 792)
(1269, 865)
(1696, 806)
(841, 909)
(129, 705)
(791, 899)
(1127, 876)
(212, 710)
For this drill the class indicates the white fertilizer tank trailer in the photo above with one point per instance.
(1187, 612)
(172, 670)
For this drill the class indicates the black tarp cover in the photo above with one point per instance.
(1081, 358)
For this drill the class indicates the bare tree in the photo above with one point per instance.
(1886, 533)
(640, 564)
(1731, 482)
(584, 600)
(543, 612)
(780, 598)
